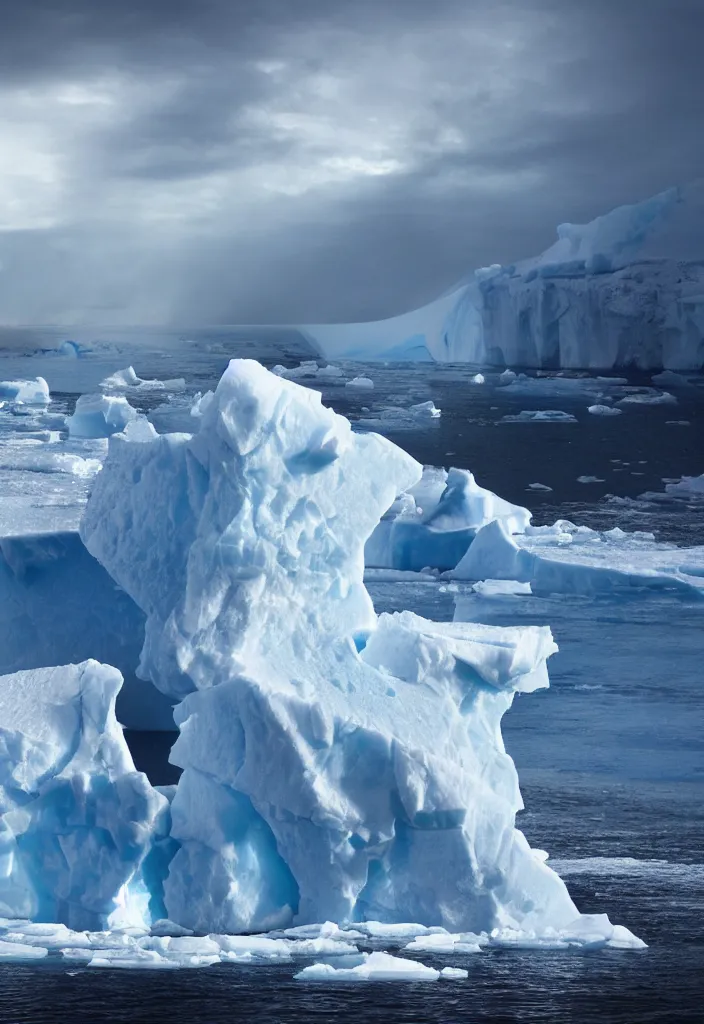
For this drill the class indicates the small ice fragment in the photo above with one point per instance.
(375, 967)
(589, 480)
(538, 487)
(360, 383)
(539, 416)
(604, 410)
(456, 973)
(478, 378)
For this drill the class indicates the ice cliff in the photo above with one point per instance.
(589, 301)
(337, 765)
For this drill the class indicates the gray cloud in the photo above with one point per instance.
(268, 161)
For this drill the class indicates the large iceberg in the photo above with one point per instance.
(589, 301)
(336, 765)
(76, 820)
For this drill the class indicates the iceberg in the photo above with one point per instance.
(569, 559)
(100, 416)
(434, 523)
(25, 392)
(590, 301)
(76, 820)
(337, 766)
(127, 379)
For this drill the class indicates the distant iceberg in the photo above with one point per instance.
(590, 301)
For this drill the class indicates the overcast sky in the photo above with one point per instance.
(224, 161)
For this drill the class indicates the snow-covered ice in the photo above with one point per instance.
(76, 819)
(539, 416)
(25, 392)
(100, 416)
(604, 410)
(567, 559)
(394, 417)
(127, 380)
(434, 523)
(375, 966)
(589, 301)
(309, 791)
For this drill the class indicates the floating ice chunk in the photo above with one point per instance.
(26, 392)
(360, 383)
(454, 973)
(100, 416)
(398, 418)
(19, 951)
(564, 559)
(434, 524)
(539, 487)
(604, 410)
(257, 616)
(687, 486)
(374, 967)
(507, 377)
(75, 816)
(447, 942)
(502, 588)
(589, 931)
(668, 378)
(329, 372)
(539, 416)
(649, 397)
(478, 378)
(677, 423)
(123, 380)
(590, 480)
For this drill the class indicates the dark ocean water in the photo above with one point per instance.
(611, 758)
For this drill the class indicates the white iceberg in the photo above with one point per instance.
(567, 559)
(100, 416)
(127, 379)
(604, 410)
(76, 819)
(26, 392)
(584, 303)
(336, 766)
(373, 967)
(434, 523)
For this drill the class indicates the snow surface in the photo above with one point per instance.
(309, 789)
(76, 819)
(584, 303)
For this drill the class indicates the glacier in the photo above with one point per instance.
(309, 790)
(590, 301)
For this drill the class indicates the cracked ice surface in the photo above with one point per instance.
(310, 789)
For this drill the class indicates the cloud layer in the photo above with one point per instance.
(234, 162)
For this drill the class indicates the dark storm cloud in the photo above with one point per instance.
(310, 160)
